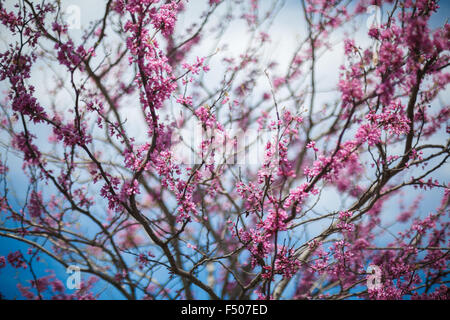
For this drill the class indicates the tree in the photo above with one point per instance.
(171, 174)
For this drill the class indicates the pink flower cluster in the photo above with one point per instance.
(35, 204)
(164, 17)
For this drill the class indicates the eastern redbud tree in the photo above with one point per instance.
(167, 159)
